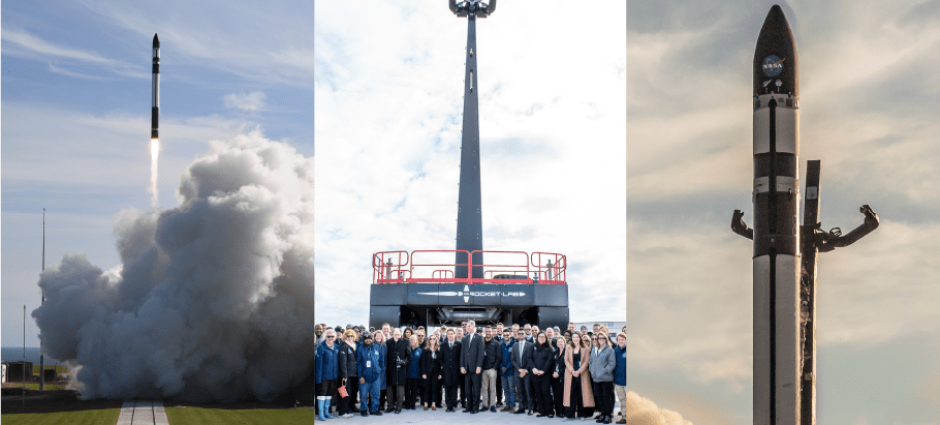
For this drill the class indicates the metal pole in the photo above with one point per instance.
(42, 359)
(24, 354)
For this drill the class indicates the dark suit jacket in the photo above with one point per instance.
(522, 359)
(450, 363)
(471, 356)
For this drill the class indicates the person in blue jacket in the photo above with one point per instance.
(371, 367)
(620, 375)
(414, 373)
(506, 370)
(327, 373)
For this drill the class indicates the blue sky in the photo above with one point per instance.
(388, 85)
(869, 102)
(76, 115)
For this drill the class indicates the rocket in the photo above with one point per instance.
(776, 233)
(785, 253)
(155, 104)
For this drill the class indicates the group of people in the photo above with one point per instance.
(520, 369)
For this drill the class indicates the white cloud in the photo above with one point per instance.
(643, 411)
(63, 59)
(248, 39)
(251, 102)
(35, 46)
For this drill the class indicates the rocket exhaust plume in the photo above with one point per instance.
(213, 300)
(154, 155)
(155, 123)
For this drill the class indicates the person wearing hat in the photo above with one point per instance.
(371, 366)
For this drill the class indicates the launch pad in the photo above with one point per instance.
(438, 287)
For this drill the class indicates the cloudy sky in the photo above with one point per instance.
(870, 98)
(76, 115)
(389, 81)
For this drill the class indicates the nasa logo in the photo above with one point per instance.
(772, 66)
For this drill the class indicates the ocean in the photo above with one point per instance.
(15, 354)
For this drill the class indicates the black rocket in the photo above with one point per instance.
(785, 253)
(155, 101)
(776, 261)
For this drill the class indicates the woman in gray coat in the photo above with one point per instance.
(601, 366)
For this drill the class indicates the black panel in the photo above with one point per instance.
(395, 295)
(379, 315)
(427, 294)
(551, 295)
(785, 165)
(553, 316)
(517, 295)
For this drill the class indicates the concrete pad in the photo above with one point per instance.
(143, 413)
(127, 413)
(459, 418)
(159, 414)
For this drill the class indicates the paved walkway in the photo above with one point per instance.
(440, 417)
(142, 412)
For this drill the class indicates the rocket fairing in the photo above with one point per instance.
(155, 101)
(776, 261)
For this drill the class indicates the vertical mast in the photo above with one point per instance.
(469, 214)
(42, 358)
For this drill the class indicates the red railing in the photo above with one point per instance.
(437, 266)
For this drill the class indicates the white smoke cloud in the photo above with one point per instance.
(642, 411)
(213, 300)
(252, 102)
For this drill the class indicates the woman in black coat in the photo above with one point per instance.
(558, 376)
(543, 365)
(431, 373)
(348, 375)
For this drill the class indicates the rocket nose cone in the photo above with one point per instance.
(156, 41)
(776, 64)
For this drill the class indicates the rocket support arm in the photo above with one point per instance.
(740, 227)
(828, 241)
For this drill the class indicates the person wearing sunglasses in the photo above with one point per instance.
(327, 366)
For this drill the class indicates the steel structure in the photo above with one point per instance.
(424, 287)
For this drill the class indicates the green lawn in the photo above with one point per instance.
(34, 386)
(59, 407)
(203, 416)
(86, 417)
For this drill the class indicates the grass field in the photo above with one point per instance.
(224, 416)
(63, 407)
(34, 386)
(59, 407)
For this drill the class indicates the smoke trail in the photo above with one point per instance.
(642, 411)
(214, 298)
(154, 154)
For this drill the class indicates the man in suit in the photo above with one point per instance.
(450, 368)
(522, 364)
(471, 363)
